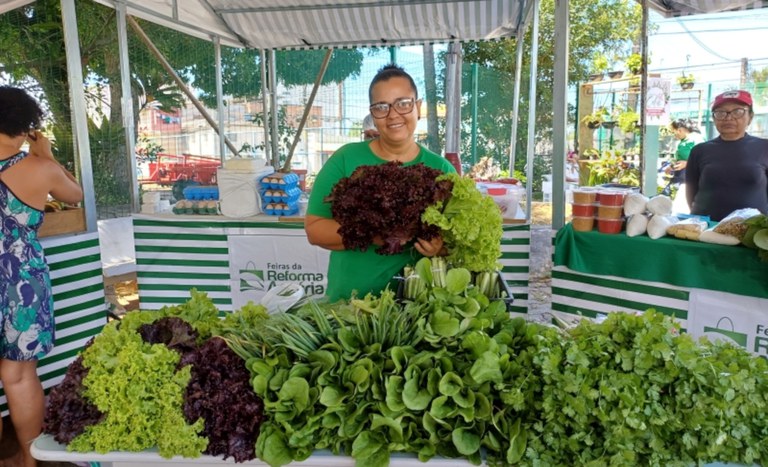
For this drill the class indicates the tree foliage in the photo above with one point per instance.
(605, 28)
(32, 40)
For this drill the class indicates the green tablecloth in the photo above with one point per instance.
(684, 263)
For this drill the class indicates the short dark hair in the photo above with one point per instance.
(388, 72)
(20, 113)
(686, 123)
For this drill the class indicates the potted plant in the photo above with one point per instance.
(596, 118)
(634, 64)
(616, 74)
(600, 65)
(686, 81)
(628, 121)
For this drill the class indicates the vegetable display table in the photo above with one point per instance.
(237, 260)
(78, 297)
(713, 290)
(46, 449)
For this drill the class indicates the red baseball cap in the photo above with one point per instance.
(733, 96)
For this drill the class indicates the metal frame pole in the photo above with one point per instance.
(79, 112)
(560, 112)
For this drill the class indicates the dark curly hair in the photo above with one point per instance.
(20, 112)
(388, 72)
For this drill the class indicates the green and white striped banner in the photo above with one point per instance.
(175, 255)
(516, 263)
(78, 296)
(576, 294)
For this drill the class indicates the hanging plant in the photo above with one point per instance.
(596, 118)
(628, 121)
(686, 81)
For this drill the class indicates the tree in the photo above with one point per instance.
(597, 27)
(32, 41)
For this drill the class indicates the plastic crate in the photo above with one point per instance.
(201, 193)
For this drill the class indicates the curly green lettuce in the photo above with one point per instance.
(470, 224)
(141, 392)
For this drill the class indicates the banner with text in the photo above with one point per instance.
(258, 263)
(737, 319)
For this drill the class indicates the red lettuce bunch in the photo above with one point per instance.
(68, 413)
(387, 201)
(220, 391)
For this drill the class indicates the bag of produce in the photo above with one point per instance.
(688, 229)
(734, 224)
(637, 225)
(660, 205)
(635, 203)
(658, 225)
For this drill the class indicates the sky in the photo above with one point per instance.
(709, 46)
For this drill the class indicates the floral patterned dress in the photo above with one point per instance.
(26, 297)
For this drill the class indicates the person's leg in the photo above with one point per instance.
(26, 403)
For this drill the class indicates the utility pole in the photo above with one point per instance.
(743, 74)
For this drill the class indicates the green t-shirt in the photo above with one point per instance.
(363, 271)
(686, 144)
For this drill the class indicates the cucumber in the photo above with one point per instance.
(749, 236)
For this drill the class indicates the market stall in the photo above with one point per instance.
(709, 288)
(230, 259)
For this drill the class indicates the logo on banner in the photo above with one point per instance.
(726, 328)
(251, 278)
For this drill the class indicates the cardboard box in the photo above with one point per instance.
(69, 220)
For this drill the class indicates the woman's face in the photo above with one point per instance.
(395, 128)
(731, 128)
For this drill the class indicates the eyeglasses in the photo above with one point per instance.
(735, 113)
(402, 106)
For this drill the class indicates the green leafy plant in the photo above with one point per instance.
(612, 168)
(628, 120)
(635, 63)
(596, 118)
(470, 224)
(686, 80)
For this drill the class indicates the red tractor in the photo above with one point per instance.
(170, 168)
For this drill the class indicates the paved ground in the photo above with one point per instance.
(540, 282)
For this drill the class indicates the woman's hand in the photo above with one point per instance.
(430, 248)
(39, 145)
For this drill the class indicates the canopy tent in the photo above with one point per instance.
(669, 8)
(286, 24)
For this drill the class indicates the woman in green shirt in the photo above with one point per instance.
(395, 108)
(688, 134)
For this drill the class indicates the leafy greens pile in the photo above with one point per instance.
(386, 201)
(452, 375)
(448, 373)
(160, 379)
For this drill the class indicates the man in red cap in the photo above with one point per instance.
(729, 172)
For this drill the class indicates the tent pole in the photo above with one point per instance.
(560, 112)
(179, 82)
(127, 103)
(308, 108)
(453, 97)
(531, 144)
(265, 106)
(643, 86)
(516, 104)
(79, 113)
(274, 137)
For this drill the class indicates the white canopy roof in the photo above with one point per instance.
(694, 7)
(278, 24)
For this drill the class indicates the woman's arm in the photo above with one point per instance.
(64, 185)
(323, 232)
